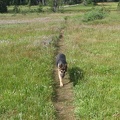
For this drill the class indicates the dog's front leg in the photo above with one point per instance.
(60, 78)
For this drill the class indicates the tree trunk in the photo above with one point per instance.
(43, 2)
(55, 5)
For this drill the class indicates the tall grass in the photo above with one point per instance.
(26, 68)
(26, 64)
(95, 14)
(93, 55)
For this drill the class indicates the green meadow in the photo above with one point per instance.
(94, 66)
(26, 68)
(27, 61)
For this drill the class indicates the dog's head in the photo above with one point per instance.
(62, 69)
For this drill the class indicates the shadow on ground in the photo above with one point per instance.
(76, 74)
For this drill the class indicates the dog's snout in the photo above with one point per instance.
(62, 74)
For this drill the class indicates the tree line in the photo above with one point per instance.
(53, 3)
(46, 2)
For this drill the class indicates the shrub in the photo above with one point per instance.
(95, 14)
(118, 7)
(40, 8)
(16, 9)
(3, 7)
(71, 3)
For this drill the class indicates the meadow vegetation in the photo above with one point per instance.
(92, 50)
(27, 53)
(26, 65)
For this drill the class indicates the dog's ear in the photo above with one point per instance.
(60, 65)
(66, 67)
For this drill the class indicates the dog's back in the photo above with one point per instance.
(61, 59)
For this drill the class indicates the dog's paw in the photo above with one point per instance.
(61, 85)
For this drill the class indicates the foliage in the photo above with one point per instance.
(46, 2)
(118, 7)
(40, 8)
(54, 4)
(16, 9)
(3, 6)
(95, 14)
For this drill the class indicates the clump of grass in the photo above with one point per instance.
(118, 7)
(95, 14)
(40, 8)
(16, 9)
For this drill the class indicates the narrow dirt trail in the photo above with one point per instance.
(64, 95)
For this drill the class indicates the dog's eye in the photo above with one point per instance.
(63, 71)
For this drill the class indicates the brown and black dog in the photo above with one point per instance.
(61, 66)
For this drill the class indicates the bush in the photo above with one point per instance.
(3, 7)
(118, 7)
(95, 14)
(40, 8)
(71, 3)
(16, 9)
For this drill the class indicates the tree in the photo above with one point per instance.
(118, 7)
(43, 2)
(55, 5)
(3, 6)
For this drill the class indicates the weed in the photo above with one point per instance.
(95, 14)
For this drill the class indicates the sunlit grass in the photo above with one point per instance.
(94, 49)
(26, 66)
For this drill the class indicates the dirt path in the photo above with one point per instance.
(64, 95)
(34, 20)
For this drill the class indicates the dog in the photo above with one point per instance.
(61, 66)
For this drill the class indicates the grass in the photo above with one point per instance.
(26, 64)
(94, 49)
(26, 67)
(95, 14)
(75, 8)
